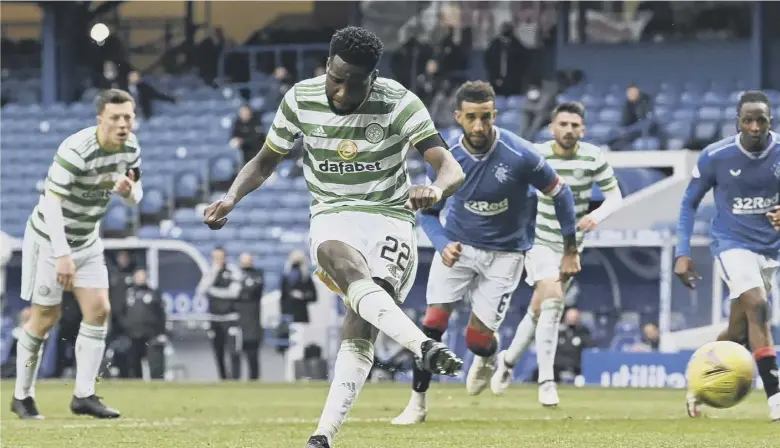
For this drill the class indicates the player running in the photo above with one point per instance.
(744, 172)
(356, 130)
(62, 249)
(480, 249)
(581, 165)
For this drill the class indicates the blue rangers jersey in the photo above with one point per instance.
(746, 186)
(495, 208)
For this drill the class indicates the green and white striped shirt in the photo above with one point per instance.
(353, 162)
(83, 174)
(586, 167)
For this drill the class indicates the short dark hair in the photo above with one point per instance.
(112, 96)
(753, 96)
(357, 46)
(474, 92)
(572, 107)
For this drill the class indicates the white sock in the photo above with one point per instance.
(29, 349)
(375, 305)
(523, 338)
(353, 363)
(547, 337)
(90, 345)
(419, 400)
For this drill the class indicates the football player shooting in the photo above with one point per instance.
(356, 130)
(744, 172)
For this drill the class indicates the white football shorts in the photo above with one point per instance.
(39, 269)
(743, 270)
(542, 262)
(486, 278)
(389, 246)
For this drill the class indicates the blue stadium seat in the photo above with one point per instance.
(679, 129)
(609, 116)
(117, 218)
(187, 186)
(153, 201)
(149, 232)
(222, 168)
(647, 144)
(705, 131)
(675, 143)
(709, 113)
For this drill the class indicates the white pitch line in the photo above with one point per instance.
(174, 422)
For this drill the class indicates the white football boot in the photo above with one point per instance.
(548, 394)
(774, 407)
(692, 405)
(479, 375)
(415, 411)
(503, 375)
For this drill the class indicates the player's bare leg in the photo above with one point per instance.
(29, 349)
(548, 300)
(373, 304)
(757, 311)
(90, 347)
(483, 342)
(435, 323)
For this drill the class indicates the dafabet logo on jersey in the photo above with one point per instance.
(342, 167)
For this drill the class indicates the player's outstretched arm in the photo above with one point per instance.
(254, 173)
(449, 174)
(702, 180)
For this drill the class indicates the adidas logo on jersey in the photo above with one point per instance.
(318, 132)
(347, 167)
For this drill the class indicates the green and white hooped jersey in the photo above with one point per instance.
(353, 162)
(586, 167)
(83, 174)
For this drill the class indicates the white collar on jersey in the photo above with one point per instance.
(486, 154)
(757, 155)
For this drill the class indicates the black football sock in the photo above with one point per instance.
(421, 378)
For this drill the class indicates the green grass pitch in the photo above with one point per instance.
(233, 415)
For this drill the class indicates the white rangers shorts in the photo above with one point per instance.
(487, 278)
(389, 246)
(743, 270)
(542, 262)
(39, 269)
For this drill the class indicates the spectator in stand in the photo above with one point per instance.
(297, 289)
(145, 94)
(111, 77)
(637, 119)
(247, 134)
(248, 308)
(282, 82)
(506, 60)
(206, 55)
(410, 58)
(430, 83)
(650, 339)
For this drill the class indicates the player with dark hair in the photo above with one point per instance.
(744, 173)
(582, 165)
(357, 129)
(481, 248)
(62, 249)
